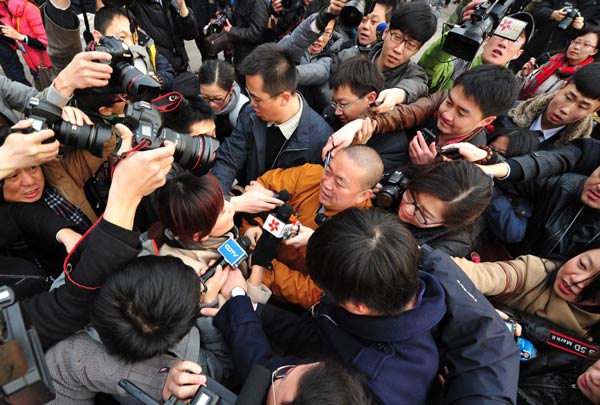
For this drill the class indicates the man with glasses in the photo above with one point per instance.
(411, 25)
(277, 130)
(444, 69)
(356, 84)
(461, 114)
(312, 44)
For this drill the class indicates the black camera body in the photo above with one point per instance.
(393, 186)
(24, 378)
(572, 14)
(195, 153)
(354, 11)
(216, 24)
(126, 77)
(291, 4)
(47, 115)
(464, 41)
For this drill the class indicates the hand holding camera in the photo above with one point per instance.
(22, 149)
(84, 71)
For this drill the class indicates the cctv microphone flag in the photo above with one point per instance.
(510, 28)
(232, 252)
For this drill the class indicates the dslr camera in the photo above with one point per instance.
(24, 375)
(393, 186)
(47, 115)
(216, 24)
(464, 41)
(572, 14)
(195, 153)
(354, 11)
(126, 77)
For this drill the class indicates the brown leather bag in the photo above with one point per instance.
(216, 43)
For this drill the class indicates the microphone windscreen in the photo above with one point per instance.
(381, 27)
(284, 213)
(245, 243)
(284, 195)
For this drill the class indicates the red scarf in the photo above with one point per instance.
(557, 64)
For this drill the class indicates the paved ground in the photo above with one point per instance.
(196, 60)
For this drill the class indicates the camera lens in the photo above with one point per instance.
(192, 152)
(389, 196)
(138, 86)
(352, 13)
(86, 137)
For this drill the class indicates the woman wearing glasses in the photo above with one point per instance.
(442, 203)
(551, 76)
(219, 89)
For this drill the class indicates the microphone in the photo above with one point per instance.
(276, 228)
(381, 27)
(232, 253)
(283, 195)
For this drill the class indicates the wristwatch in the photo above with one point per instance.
(235, 291)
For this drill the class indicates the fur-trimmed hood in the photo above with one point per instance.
(525, 113)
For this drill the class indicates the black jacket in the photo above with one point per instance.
(61, 312)
(561, 224)
(455, 242)
(580, 156)
(250, 20)
(547, 30)
(167, 28)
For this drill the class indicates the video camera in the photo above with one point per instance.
(48, 115)
(464, 41)
(393, 186)
(126, 77)
(192, 152)
(354, 11)
(24, 375)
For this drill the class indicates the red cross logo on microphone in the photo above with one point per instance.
(505, 25)
(274, 226)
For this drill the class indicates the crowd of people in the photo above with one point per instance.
(315, 216)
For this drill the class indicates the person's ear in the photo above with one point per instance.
(105, 110)
(97, 35)
(385, 33)
(285, 97)
(488, 120)
(372, 96)
(364, 196)
(519, 53)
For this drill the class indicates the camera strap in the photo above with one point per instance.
(169, 102)
(570, 344)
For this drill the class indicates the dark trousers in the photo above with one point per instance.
(11, 65)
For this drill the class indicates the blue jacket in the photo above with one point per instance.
(398, 356)
(480, 353)
(245, 148)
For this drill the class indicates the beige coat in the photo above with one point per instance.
(520, 284)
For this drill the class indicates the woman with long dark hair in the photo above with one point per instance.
(442, 204)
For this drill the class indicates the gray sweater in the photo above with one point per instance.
(80, 366)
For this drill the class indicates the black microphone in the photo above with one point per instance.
(229, 255)
(283, 195)
(268, 244)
